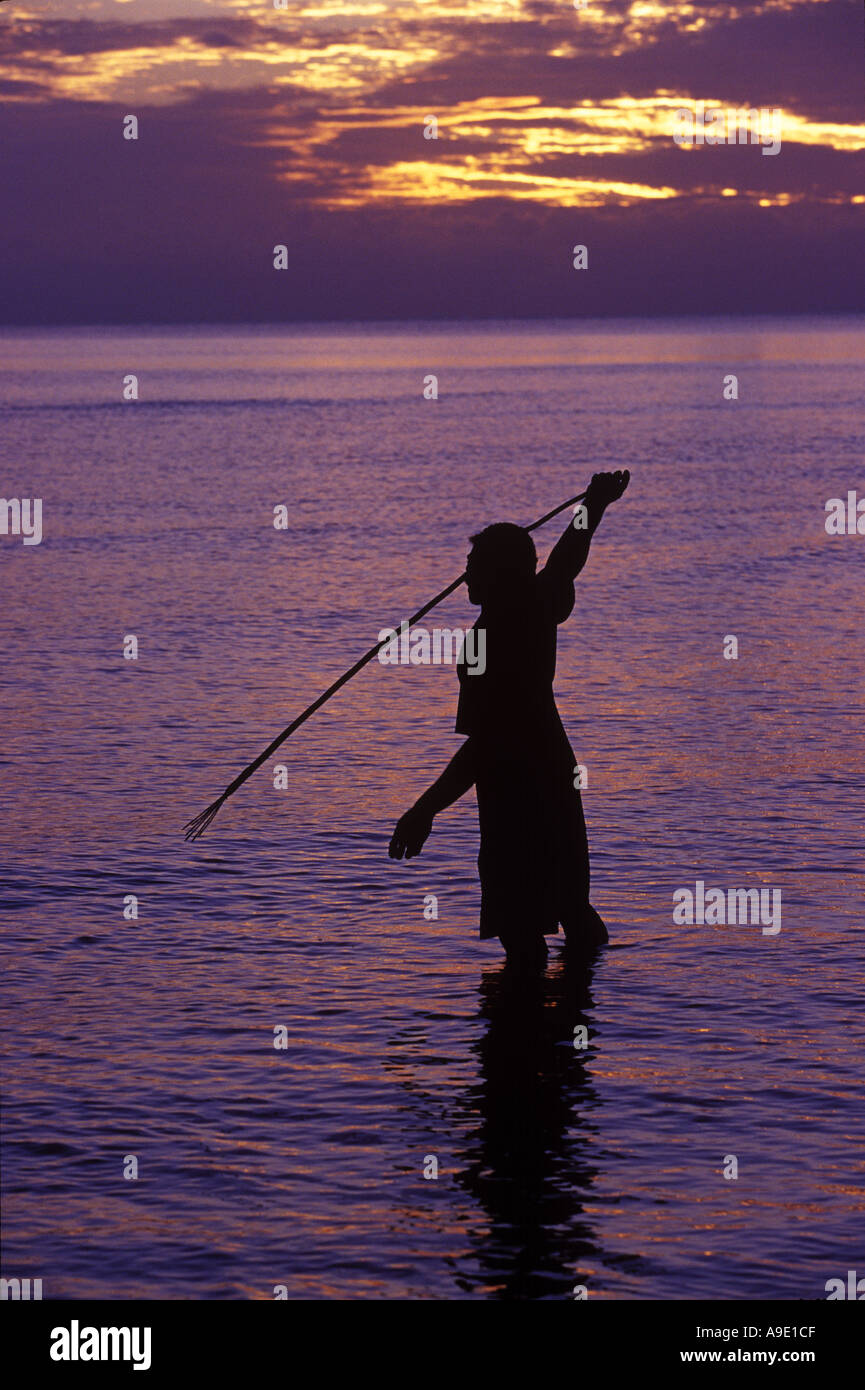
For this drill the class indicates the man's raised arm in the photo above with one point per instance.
(571, 550)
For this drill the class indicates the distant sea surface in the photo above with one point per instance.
(153, 1038)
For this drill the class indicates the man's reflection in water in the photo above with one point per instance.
(527, 1164)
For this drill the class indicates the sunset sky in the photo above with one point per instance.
(304, 126)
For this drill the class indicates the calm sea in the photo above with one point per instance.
(153, 1038)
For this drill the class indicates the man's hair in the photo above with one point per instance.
(506, 549)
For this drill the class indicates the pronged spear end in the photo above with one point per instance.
(197, 826)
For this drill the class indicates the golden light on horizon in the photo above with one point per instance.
(424, 181)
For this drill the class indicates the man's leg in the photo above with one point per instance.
(584, 929)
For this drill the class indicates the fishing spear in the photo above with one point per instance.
(197, 826)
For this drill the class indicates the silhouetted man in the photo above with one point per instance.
(534, 858)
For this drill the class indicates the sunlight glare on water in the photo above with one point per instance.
(405, 1039)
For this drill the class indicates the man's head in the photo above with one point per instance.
(502, 559)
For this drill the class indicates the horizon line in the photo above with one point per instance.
(468, 320)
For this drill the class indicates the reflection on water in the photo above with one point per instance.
(405, 1037)
(527, 1163)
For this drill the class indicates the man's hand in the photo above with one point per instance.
(607, 487)
(410, 834)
